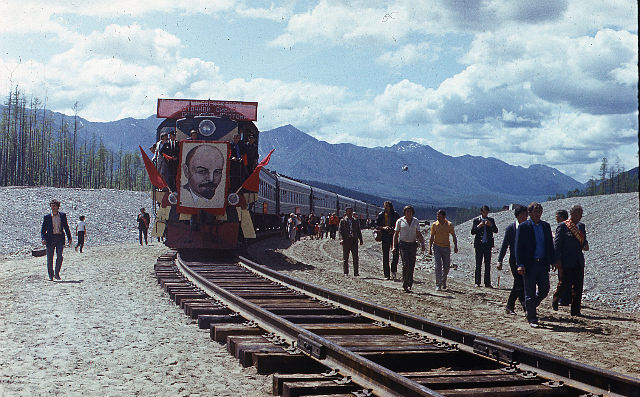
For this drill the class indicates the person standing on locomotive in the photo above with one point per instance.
(161, 161)
(386, 223)
(251, 149)
(169, 151)
(236, 173)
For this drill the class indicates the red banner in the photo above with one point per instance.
(154, 175)
(252, 183)
(234, 110)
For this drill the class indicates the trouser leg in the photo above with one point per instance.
(478, 273)
(576, 291)
(487, 265)
(530, 294)
(437, 259)
(408, 255)
(145, 231)
(561, 287)
(59, 257)
(517, 290)
(346, 249)
(50, 251)
(354, 256)
(140, 235)
(386, 247)
(446, 264)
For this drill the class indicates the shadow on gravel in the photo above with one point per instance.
(572, 325)
(69, 281)
(277, 261)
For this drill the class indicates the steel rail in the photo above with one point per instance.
(573, 373)
(363, 372)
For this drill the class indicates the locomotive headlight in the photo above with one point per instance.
(206, 127)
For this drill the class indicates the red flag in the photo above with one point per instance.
(253, 181)
(154, 175)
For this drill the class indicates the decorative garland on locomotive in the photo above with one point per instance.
(205, 204)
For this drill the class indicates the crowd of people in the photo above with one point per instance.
(534, 250)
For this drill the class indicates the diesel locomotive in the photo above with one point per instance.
(210, 193)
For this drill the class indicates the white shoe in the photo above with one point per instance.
(438, 288)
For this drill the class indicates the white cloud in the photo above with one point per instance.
(407, 55)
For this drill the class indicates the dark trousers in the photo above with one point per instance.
(517, 291)
(80, 243)
(140, 233)
(386, 247)
(332, 231)
(536, 288)
(55, 244)
(350, 245)
(483, 251)
(570, 280)
(408, 255)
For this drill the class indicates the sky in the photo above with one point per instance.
(551, 82)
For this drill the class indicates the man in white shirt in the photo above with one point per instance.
(81, 232)
(407, 231)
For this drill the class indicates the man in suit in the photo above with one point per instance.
(569, 242)
(386, 223)
(170, 152)
(483, 229)
(54, 225)
(517, 291)
(534, 255)
(203, 168)
(349, 235)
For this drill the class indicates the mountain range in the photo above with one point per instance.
(406, 172)
(411, 172)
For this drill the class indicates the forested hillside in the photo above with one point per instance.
(37, 148)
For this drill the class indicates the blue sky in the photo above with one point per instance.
(553, 82)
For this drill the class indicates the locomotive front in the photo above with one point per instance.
(206, 152)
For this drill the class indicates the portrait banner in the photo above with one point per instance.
(203, 174)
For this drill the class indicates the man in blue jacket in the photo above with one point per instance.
(53, 228)
(534, 255)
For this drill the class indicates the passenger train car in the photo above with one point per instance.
(207, 196)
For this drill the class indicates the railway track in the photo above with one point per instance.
(319, 342)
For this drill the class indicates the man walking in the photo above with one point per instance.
(483, 229)
(407, 231)
(143, 225)
(81, 232)
(385, 223)
(569, 242)
(439, 241)
(517, 290)
(54, 225)
(534, 255)
(349, 235)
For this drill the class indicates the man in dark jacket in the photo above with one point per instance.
(483, 229)
(385, 224)
(54, 226)
(534, 255)
(517, 291)
(349, 235)
(569, 242)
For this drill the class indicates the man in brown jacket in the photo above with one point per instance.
(349, 235)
